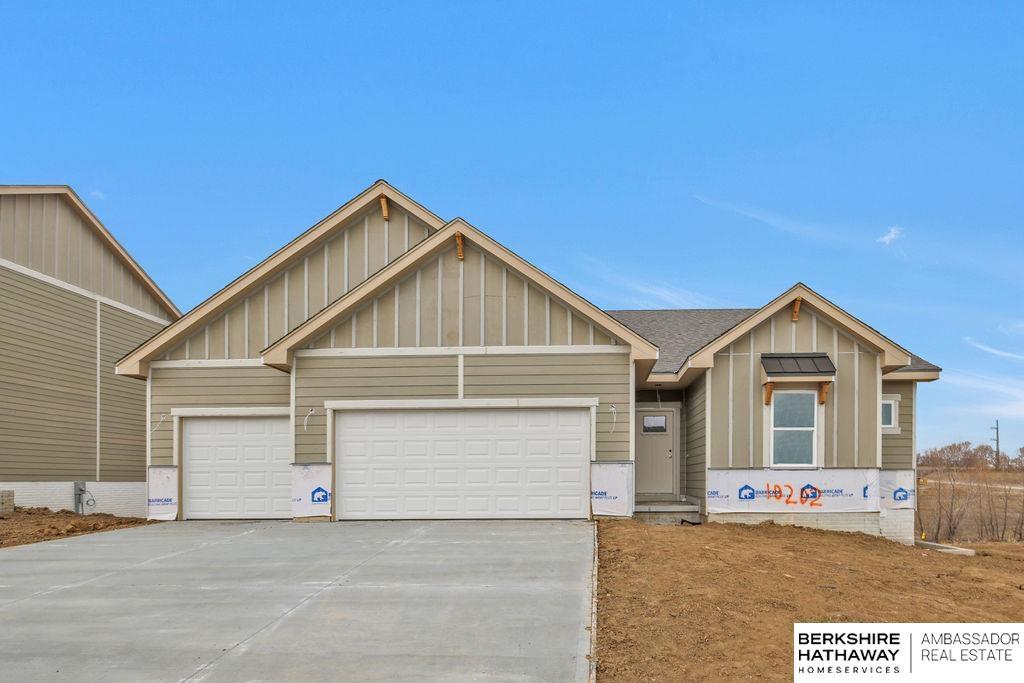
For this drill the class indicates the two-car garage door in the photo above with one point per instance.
(462, 463)
(470, 463)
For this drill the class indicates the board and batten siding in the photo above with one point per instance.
(474, 302)
(45, 233)
(58, 394)
(851, 413)
(313, 279)
(898, 449)
(208, 387)
(341, 378)
(695, 427)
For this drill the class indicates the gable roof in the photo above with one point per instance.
(712, 329)
(280, 353)
(135, 363)
(104, 235)
(681, 332)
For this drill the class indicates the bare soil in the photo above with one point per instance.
(31, 525)
(718, 601)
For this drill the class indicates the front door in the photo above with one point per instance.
(655, 452)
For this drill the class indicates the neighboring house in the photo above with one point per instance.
(388, 364)
(72, 301)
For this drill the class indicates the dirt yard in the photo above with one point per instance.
(718, 601)
(31, 525)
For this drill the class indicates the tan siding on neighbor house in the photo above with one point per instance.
(849, 422)
(694, 419)
(235, 387)
(319, 379)
(50, 386)
(122, 399)
(494, 310)
(604, 376)
(354, 251)
(44, 233)
(47, 381)
(898, 449)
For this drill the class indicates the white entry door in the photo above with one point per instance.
(462, 463)
(237, 468)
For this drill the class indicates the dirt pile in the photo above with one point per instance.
(31, 525)
(718, 601)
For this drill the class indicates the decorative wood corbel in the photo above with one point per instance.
(459, 248)
(796, 308)
(769, 387)
(384, 209)
(823, 392)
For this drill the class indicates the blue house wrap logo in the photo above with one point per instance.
(320, 495)
(900, 495)
(746, 492)
(809, 492)
(865, 490)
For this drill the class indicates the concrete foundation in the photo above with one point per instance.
(121, 498)
(896, 525)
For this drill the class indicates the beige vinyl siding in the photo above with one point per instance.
(319, 379)
(849, 422)
(47, 381)
(122, 399)
(235, 387)
(50, 386)
(898, 449)
(604, 376)
(279, 304)
(694, 418)
(45, 233)
(497, 308)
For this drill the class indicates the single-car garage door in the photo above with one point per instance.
(462, 463)
(237, 468)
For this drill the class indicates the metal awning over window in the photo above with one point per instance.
(797, 364)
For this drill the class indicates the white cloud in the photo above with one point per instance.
(620, 290)
(775, 220)
(994, 351)
(894, 234)
(96, 194)
(986, 395)
(1013, 327)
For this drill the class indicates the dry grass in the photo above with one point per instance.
(718, 601)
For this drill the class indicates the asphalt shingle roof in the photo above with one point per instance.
(678, 333)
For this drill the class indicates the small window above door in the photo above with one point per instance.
(653, 424)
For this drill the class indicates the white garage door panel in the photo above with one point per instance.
(237, 467)
(469, 463)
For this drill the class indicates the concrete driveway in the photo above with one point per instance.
(233, 601)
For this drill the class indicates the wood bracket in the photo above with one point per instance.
(823, 392)
(459, 247)
(384, 207)
(796, 308)
(769, 387)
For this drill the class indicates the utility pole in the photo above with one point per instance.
(996, 430)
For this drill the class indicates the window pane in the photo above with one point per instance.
(794, 410)
(887, 414)
(794, 448)
(655, 423)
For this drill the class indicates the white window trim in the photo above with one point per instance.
(813, 465)
(894, 399)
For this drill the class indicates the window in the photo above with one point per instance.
(794, 422)
(655, 423)
(891, 414)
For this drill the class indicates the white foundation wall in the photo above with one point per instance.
(124, 499)
(892, 526)
(897, 525)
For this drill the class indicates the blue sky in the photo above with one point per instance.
(648, 155)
